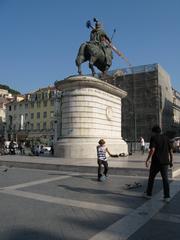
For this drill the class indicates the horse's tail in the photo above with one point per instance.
(81, 54)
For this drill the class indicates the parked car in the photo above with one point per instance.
(6, 143)
(45, 150)
(9, 149)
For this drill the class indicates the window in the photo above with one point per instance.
(51, 114)
(33, 97)
(10, 108)
(14, 107)
(32, 126)
(52, 102)
(38, 114)
(32, 115)
(39, 96)
(38, 126)
(51, 94)
(32, 105)
(26, 105)
(45, 114)
(26, 116)
(38, 104)
(51, 125)
(44, 125)
(45, 103)
(46, 95)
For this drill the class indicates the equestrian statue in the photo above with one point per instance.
(98, 50)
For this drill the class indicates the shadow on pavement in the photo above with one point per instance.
(87, 190)
(27, 234)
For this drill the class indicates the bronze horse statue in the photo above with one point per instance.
(96, 55)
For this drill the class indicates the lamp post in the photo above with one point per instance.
(55, 131)
(134, 107)
(28, 127)
(135, 131)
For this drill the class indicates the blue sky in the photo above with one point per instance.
(39, 39)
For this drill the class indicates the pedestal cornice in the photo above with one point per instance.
(75, 82)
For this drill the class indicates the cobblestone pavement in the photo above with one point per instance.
(51, 205)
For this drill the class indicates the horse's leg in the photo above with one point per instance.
(80, 57)
(92, 69)
(78, 64)
(79, 69)
(91, 66)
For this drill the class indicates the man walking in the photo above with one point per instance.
(161, 157)
(142, 145)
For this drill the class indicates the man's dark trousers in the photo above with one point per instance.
(154, 169)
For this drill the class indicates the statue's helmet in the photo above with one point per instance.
(98, 25)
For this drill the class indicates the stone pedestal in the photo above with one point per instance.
(90, 110)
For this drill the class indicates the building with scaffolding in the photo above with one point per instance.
(151, 100)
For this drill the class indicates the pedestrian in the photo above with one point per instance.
(37, 150)
(178, 145)
(2, 145)
(12, 148)
(33, 149)
(142, 145)
(102, 159)
(21, 148)
(160, 153)
(52, 150)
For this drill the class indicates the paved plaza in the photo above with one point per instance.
(71, 205)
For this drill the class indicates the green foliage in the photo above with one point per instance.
(12, 91)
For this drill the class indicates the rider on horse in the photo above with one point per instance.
(98, 50)
(100, 38)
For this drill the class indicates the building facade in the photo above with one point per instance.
(15, 112)
(5, 97)
(176, 112)
(150, 100)
(34, 118)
